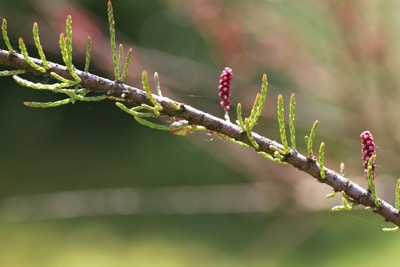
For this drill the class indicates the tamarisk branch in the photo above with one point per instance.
(170, 108)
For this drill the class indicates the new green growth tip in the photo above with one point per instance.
(321, 160)
(310, 139)
(146, 88)
(370, 180)
(28, 60)
(397, 203)
(259, 103)
(292, 130)
(88, 54)
(38, 45)
(281, 122)
(117, 55)
(65, 42)
(5, 36)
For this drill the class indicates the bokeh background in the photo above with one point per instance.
(84, 185)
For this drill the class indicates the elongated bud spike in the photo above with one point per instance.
(367, 150)
(225, 88)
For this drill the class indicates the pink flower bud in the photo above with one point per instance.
(367, 150)
(225, 88)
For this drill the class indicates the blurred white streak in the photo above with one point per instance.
(242, 198)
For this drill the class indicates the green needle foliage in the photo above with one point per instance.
(117, 56)
(111, 23)
(39, 46)
(341, 170)
(397, 201)
(66, 49)
(310, 139)
(5, 36)
(240, 121)
(56, 87)
(247, 124)
(259, 103)
(292, 128)
(28, 60)
(126, 65)
(321, 155)
(5, 73)
(157, 83)
(281, 122)
(88, 54)
(347, 203)
(143, 111)
(146, 88)
(370, 179)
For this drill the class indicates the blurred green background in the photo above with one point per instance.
(84, 185)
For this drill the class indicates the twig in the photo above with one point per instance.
(220, 126)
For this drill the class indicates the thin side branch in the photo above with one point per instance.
(222, 127)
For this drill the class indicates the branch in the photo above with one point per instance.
(172, 109)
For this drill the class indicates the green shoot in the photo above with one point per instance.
(157, 83)
(66, 50)
(321, 160)
(153, 125)
(40, 86)
(67, 58)
(347, 203)
(80, 95)
(279, 154)
(49, 104)
(281, 122)
(292, 130)
(250, 134)
(139, 111)
(259, 102)
(111, 23)
(370, 180)
(341, 169)
(240, 121)
(269, 157)
(62, 79)
(28, 60)
(331, 195)
(397, 201)
(181, 129)
(173, 104)
(4, 73)
(119, 59)
(146, 88)
(310, 139)
(39, 46)
(63, 48)
(126, 66)
(88, 54)
(68, 39)
(5, 36)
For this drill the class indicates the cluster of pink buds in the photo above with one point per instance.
(225, 88)
(367, 150)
